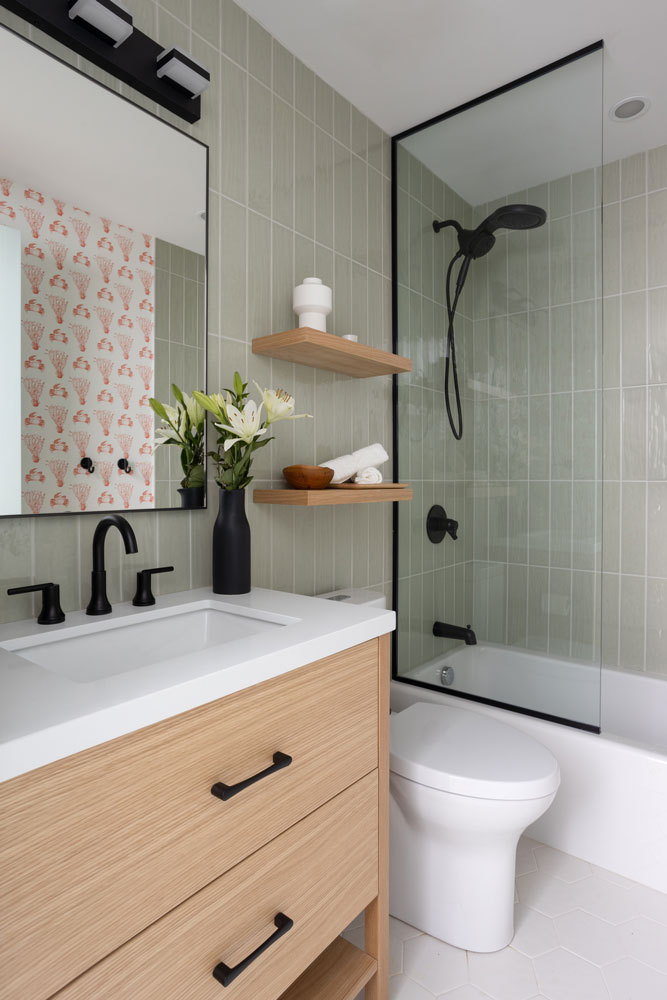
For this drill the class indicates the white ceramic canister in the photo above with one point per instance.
(313, 302)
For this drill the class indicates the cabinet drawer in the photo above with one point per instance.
(320, 874)
(95, 848)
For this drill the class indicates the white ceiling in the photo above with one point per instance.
(403, 62)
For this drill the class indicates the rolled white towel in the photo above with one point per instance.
(345, 467)
(369, 476)
(374, 454)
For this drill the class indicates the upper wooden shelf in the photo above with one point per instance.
(306, 346)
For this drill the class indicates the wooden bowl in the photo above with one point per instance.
(308, 477)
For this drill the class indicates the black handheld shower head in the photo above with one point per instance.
(475, 243)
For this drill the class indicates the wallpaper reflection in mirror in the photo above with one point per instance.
(108, 277)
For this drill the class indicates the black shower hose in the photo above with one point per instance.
(450, 353)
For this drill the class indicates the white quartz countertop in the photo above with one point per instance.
(45, 716)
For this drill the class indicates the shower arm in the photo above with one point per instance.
(437, 226)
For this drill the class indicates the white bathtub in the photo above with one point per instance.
(611, 808)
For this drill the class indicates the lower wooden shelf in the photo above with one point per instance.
(327, 497)
(339, 973)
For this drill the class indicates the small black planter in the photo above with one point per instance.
(192, 497)
(231, 545)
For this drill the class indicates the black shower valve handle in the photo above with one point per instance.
(144, 596)
(51, 612)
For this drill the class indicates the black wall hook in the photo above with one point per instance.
(87, 464)
(124, 466)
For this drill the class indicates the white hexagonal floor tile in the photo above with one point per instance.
(547, 895)
(650, 903)
(564, 976)
(562, 866)
(465, 993)
(613, 903)
(533, 932)
(401, 930)
(525, 858)
(436, 966)
(402, 988)
(646, 941)
(591, 938)
(504, 975)
(630, 980)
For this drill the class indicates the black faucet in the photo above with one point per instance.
(99, 602)
(445, 631)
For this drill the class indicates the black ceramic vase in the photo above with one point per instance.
(192, 497)
(231, 545)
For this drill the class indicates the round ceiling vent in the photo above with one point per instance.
(629, 108)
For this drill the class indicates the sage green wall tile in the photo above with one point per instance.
(585, 262)
(633, 528)
(657, 240)
(585, 616)
(304, 89)
(259, 52)
(304, 187)
(656, 637)
(657, 439)
(633, 175)
(259, 255)
(586, 345)
(233, 82)
(634, 432)
(234, 34)
(342, 197)
(359, 211)
(324, 188)
(657, 168)
(633, 244)
(560, 611)
(657, 342)
(233, 271)
(538, 602)
(259, 147)
(206, 20)
(561, 525)
(283, 72)
(283, 162)
(632, 631)
(538, 522)
(583, 190)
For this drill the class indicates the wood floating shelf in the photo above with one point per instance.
(339, 973)
(327, 497)
(315, 349)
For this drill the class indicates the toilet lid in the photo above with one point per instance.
(468, 753)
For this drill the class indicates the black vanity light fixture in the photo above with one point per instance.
(103, 32)
(111, 21)
(179, 67)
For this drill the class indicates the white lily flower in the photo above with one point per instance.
(245, 426)
(173, 413)
(166, 434)
(279, 405)
(194, 410)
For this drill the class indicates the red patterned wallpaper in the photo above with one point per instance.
(87, 355)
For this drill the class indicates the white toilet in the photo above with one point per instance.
(464, 787)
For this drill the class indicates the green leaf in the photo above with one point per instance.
(238, 384)
(196, 476)
(178, 395)
(158, 408)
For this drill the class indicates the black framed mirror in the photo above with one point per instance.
(103, 243)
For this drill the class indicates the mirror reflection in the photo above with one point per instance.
(103, 290)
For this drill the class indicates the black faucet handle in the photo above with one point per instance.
(144, 595)
(51, 612)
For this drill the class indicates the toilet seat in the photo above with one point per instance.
(467, 753)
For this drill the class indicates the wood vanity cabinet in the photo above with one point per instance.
(125, 878)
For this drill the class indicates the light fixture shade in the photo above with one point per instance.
(108, 19)
(179, 67)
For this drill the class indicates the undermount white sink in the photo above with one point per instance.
(104, 648)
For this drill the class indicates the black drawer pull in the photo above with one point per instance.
(225, 975)
(225, 792)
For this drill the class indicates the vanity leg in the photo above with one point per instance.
(377, 913)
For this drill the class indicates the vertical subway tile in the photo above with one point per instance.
(633, 175)
(633, 338)
(324, 188)
(304, 89)
(633, 242)
(259, 52)
(283, 162)
(233, 82)
(657, 335)
(657, 238)
(632, 634)
(657, 168)
(304, 170)
(656, 629)
(633, 403)
(233, 271)
(656, 430)
(342, 195)
(259, 147)
(283, 72)
(234, 31)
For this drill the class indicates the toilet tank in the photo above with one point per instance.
(355, 595)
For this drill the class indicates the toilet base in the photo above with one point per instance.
(452, 863)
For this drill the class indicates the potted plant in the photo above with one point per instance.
(184, 425)
(242, 430)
